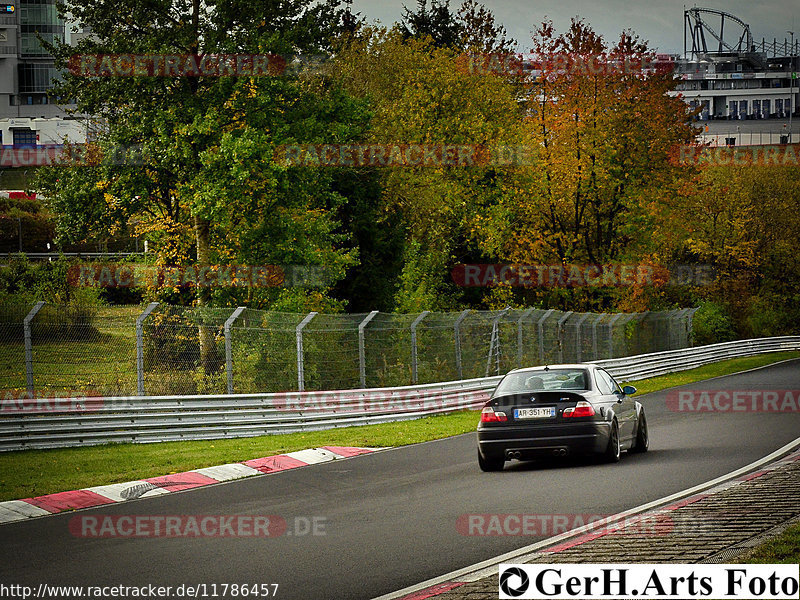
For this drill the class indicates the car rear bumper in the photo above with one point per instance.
(528, 442)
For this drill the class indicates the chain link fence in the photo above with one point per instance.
(172, 350)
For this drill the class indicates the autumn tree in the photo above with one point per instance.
(606, 130)
(740, 220)
(421, 94)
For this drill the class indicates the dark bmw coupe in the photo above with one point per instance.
(559, 410)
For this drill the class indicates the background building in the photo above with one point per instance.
(731, 78)
(27, 115)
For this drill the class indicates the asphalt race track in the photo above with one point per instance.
(389, 518)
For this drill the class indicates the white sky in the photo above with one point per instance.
(659, 22)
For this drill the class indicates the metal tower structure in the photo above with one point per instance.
(697, 23)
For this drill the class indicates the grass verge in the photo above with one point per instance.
(29, 473)
(782, 549)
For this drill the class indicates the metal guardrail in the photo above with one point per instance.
(141, 419)
(671, 361)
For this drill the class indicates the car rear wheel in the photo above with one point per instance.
(612, 452)
(642, 436)
(490, 464)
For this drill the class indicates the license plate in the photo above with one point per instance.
(535, 413)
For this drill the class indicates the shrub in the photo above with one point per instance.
(766, 317)
(712, 324)
(23, 283)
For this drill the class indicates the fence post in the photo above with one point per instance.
(594, 334)
(578, 339)
(457, 338)
(675, 324)
(639, 318)
(228, 348)
(683, 316)
(26, 330)
(416, 322)
(524, 316)
(611, 334)
(494, 342)
(362, 357)
(690, 328)
(301, 376)
(560, 325)
(540, 330)
(140, 348)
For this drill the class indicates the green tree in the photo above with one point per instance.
(472, 27)
(208, 189)
(437, 23)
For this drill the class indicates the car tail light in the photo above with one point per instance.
(489, 415)
(581, 409)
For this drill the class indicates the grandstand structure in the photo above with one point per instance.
(728, 76)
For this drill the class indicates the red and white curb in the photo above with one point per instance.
(18, 510)
(444, 583)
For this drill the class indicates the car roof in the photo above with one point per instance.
(541, 368)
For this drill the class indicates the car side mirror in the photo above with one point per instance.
(628, 390)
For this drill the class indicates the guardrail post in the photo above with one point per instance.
(561, 337)
(594, 334)
(494, 341)
(140, 348)
(457, 339)
(611, 334)
(524, 316)
(301, 376)
(416, 322)
(578, 340)
(362, 356)
(228, 346)
(26, 329)
(540, 330)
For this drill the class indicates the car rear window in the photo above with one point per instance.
(553, 379)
